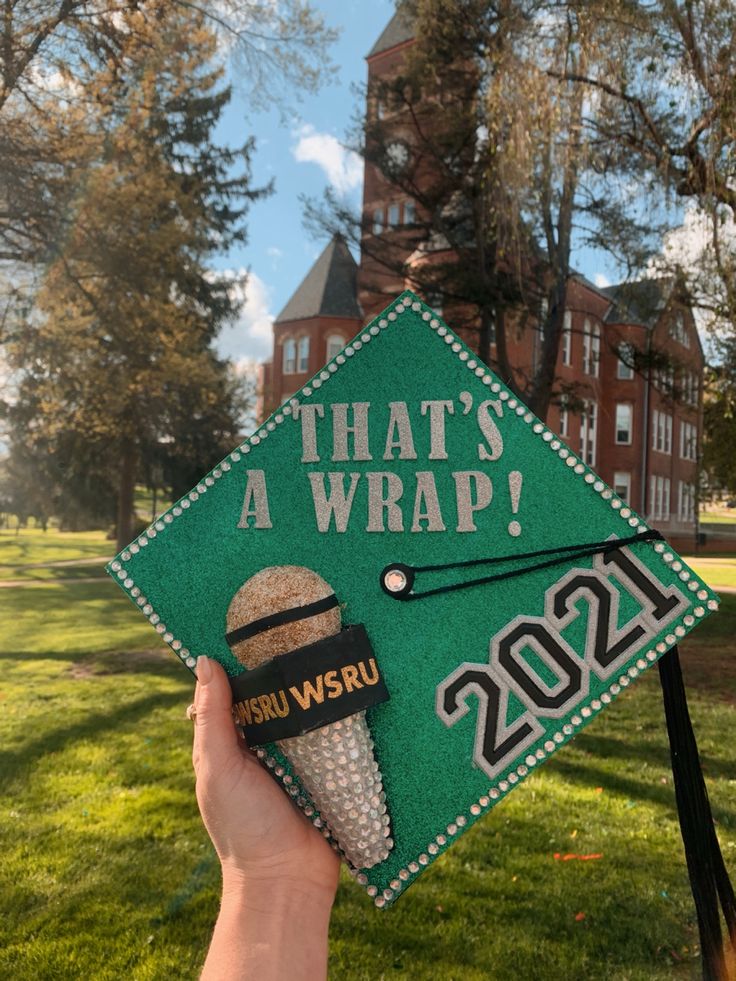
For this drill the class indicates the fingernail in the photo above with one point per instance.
(204, 670)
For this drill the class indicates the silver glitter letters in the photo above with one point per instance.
(255, 502)
(338, 503)
(377, 503)
(341, 431)
(467, 501)
(490, 430)
(427, 495)
(437, 426)
(404, 440)
(307, 413)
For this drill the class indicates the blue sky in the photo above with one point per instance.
(304, 155)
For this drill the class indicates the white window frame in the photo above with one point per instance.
(627, 426)
(624, 371)
(334, 343)
(589, 432)
(566, 346)
(622, 485)
(688, 441)
(686, 502)
(659, 489)
(591, 348)
(289, 356)
(662, 432)
(303, 354)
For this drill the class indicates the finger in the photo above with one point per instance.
(215, 736)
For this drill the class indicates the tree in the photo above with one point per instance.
(506, 181)
(52, 50)
(116, 364)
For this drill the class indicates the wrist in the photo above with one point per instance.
(285, 893)
(270, 929)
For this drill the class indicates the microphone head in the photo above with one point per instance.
(273, 590)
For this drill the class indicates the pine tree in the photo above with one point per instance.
(117, 364)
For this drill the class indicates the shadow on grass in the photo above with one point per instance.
(14, 764)
(157, 661)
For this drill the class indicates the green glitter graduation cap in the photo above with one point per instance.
(508, 595)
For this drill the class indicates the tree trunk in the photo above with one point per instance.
(126, 491)
(544, 377)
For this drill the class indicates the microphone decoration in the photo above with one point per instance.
(285, 612)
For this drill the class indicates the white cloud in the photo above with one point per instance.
(342, 167)
(249, 339)
(601, 281)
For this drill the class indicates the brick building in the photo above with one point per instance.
(630, 358)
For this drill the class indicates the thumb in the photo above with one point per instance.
(215, 736)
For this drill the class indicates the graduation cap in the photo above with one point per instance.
(498, 594)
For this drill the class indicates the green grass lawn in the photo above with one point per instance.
(107, 872)
(715, 570)
(31, 546)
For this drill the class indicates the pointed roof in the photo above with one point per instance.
(399, 29)
(641, 301)
(329, 289)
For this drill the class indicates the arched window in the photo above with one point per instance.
(304, 353)
(335, 344)
(289, 363)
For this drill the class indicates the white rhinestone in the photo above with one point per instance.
(392, 316)
(538, 427)
(463, 354)
(625, 512)
(579, 468)
(712, 604)
(475, 810)
(128, 583)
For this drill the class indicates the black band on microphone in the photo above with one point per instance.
(308, 688)
(279, 618)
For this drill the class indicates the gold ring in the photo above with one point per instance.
(192, 712)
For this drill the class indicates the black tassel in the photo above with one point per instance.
(709, 879)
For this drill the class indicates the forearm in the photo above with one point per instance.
(269, 932)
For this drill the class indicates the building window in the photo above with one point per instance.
(622, 485)
(624, 416)
(591, 348)
(335, 344)
(659, 505)
(567, 339)
(686, 502)
(393, 216)
(378, 221)
(664, 379)
(688, 441)
(410, 213)
(289, 362)
(304, 353)
(689, 388)
(588, 426)
(564, 418)
(662, 432)
(625, 363)
(678, 330)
